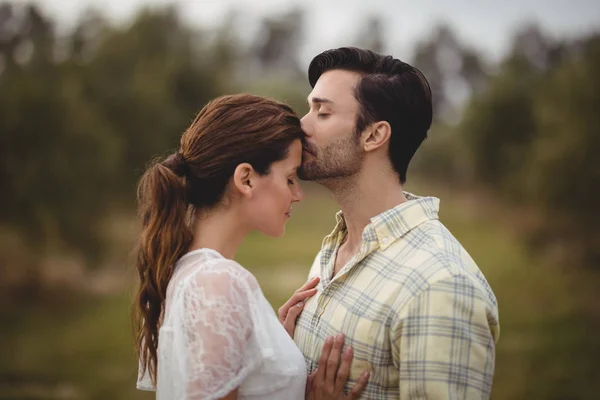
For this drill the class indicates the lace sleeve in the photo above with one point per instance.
(208, 347)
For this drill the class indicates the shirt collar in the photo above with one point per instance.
(392, 224)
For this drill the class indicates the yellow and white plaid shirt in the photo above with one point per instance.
(413, 304)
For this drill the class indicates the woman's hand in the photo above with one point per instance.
(289, 312)
(328, 381)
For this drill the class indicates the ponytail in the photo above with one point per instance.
(165, 237)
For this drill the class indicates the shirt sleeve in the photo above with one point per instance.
(443, 342)
(210, 346)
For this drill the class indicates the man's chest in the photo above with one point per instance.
(361, 312)
(340, 261)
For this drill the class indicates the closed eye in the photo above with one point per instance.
(323, 115)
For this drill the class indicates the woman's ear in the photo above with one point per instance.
(242, 179)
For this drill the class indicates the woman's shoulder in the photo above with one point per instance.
(216, 272)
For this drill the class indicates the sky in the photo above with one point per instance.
(484, 24)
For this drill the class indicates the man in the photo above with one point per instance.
(405, 294)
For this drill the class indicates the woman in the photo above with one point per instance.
(204, 330)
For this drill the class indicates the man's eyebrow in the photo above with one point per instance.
(318, 100)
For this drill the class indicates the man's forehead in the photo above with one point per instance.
(333, 86)
(339, 76)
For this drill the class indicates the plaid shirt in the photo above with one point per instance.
(413, 304)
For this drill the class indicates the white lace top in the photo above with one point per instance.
(220, 333)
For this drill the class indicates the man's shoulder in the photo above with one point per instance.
(430, 255)
(431, 249)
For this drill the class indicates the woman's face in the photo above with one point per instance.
(271, 203)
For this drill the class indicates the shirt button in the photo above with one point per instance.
(385, 240)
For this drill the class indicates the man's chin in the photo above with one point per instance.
(304, 177)
(306, 173)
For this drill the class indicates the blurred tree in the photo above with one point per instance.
(276, 46)
(270, 67)
(454, 71)
(498, 128)
(77, 130)
(473, 71)
(56, 153)
(563, 169)
(89, 31)
(13, 31)
(531, 137)
(499, 125)
(149, 80)
(371, 35)
(537, 48)
(426, 60)
(227, 51)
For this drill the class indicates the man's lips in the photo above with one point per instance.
(308, 148)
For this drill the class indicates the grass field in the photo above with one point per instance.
(79, 346)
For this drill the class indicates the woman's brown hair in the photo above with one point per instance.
(228, 131)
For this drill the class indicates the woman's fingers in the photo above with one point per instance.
(344, 369)
(311, 283)
(290, 320)
(322, 366)
(306, 291)
(333, 361)
(361, 384)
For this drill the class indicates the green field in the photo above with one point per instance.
(79, 347)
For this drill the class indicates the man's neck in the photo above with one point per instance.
(363, 197)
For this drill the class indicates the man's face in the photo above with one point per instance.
(332, 147)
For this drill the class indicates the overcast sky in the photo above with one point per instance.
(487, 25)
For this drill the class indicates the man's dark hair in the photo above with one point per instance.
(389, 90)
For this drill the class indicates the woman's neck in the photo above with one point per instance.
(221, 230)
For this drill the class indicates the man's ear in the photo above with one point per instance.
(242, 179)
(376, 135)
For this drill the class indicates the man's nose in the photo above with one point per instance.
(306, 126)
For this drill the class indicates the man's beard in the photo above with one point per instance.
(339, 159)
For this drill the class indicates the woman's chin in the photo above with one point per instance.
(275, 232)
(281, 232)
